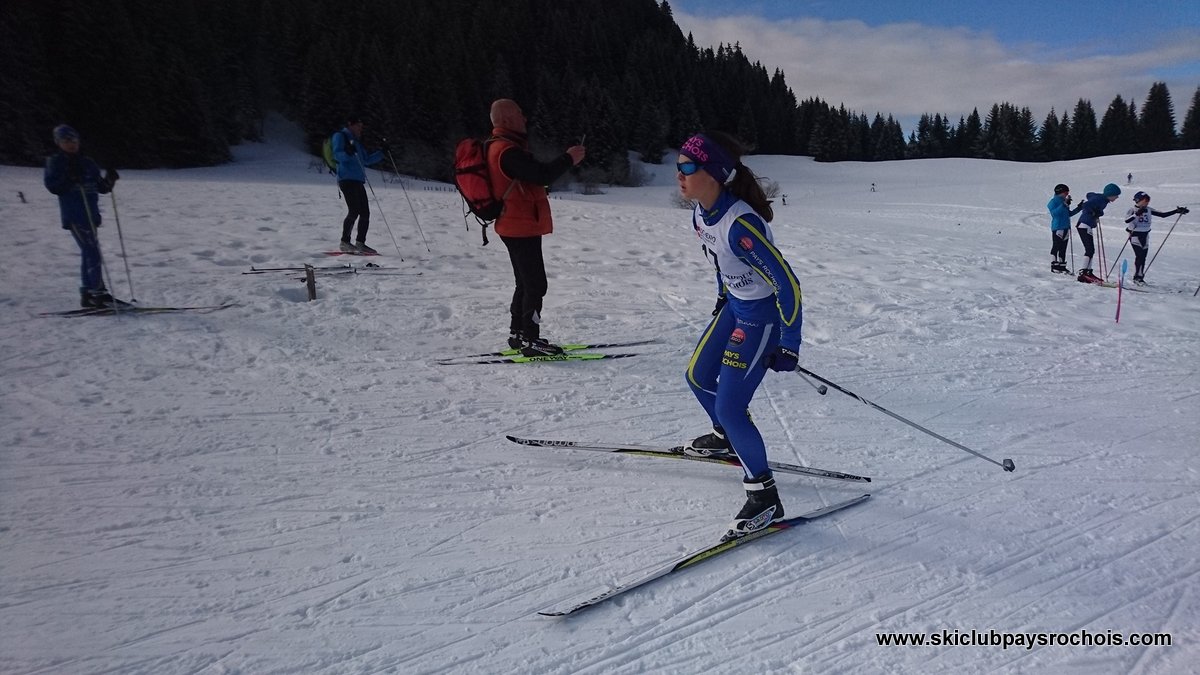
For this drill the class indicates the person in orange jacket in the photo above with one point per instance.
(520, 179)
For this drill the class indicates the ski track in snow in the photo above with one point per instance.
(286, 486)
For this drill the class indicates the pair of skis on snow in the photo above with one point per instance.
(138, 310)
(571, 352)
(575, 603)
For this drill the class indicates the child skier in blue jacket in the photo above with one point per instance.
(1060, 210)
(77, 181)
(1091, 209)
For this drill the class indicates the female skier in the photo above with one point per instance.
(756, 323)
(1137, 224)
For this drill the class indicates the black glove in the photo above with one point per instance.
(1068, 200)
(1181, 210)
(111, 175)
(782, 360)
(385, 147)
(1141, 211)
(1129, 230)
(721, 300)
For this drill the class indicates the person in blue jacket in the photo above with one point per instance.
(352, 162)
(757, 319)
(1060, 210)
(77, 182)
(1091, 209)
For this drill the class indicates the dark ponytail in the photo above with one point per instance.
(745, 185)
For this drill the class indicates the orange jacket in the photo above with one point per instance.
(526, 207)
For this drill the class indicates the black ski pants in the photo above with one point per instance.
(529, 269)
(1058, 247)
(357, 207)
(1141, 246)
(1089, 243)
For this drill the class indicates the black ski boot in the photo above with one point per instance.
(762, 507)
(539, 347)
(100, 299)
(714, 444)
(87, 299)
(514, 340)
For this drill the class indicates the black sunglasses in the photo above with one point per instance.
(687, 168)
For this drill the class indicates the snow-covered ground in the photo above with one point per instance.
(296, 487)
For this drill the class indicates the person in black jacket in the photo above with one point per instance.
(77, 181)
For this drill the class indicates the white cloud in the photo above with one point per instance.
(908, 69)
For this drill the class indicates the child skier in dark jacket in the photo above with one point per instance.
(1091, 209)
(77, 181)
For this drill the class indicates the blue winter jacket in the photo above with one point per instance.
(352, 159)
(1091, 209)
(77, 182)
(1060, 213)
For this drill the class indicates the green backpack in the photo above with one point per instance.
(327, 151)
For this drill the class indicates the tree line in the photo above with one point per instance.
(154, 84)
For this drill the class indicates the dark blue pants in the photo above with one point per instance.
(91, 276)
(725, 371)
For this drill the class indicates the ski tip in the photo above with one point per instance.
(1009, 466)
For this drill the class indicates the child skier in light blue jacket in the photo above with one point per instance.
(1060, 210)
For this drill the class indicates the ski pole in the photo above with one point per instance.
(121, 238)
(1102, 259)
(1120, 287)
(821, 389)
(410, 204)
(1110, 269)
(106, 277)
(379, 205)
(1161, 245)
(1007, 464)
(1071, 243)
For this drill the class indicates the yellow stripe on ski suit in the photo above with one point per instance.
(791, 277)
(699, 348)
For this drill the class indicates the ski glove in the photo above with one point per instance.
(782, 360)
(1181, 210)
(1141, 211)
(721, 300)
(111, 176)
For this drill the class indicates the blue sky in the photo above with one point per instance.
(937, 56)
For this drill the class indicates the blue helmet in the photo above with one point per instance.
(1139, 196)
